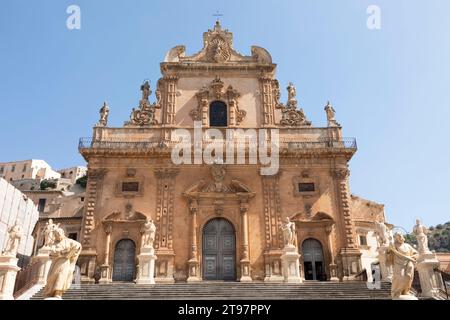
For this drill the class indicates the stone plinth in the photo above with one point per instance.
(406, 297)
(146, 273)
(8, 272)
(105, 271)
(430, 281)
(385, 267)
(45, 262)
(193, 271)
(290, 264)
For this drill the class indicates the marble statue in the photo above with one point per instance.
(14, 236)
(288, 229)
(292, 93)
(104, 112)
(48, 233)
(420, 231)
(148, 234)
(404, 256)
(383, 233)
(330, 115)
(64, 253)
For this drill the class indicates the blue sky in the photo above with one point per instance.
(390, 87)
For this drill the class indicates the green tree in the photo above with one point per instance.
(82, 181)
(45, 184)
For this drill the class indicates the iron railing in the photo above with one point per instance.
(322, 143)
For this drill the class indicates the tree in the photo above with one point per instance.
(47, 184)
(82, 181)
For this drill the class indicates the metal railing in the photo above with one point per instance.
(322, 143)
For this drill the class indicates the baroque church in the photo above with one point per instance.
(222, 221)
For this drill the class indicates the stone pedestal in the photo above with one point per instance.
(351, 263)
(245, 271)
(333, 272)
(43, 257)
(406, 297)
(290, 264)
(8, 273)
(430, 281)
(105, 271)
(385, 268)
(146, 273)
(193, 271)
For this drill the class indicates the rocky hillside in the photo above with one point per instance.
(438, 238)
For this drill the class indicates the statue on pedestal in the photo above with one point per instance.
(420, 231)
(64, 253)
(148, 234)
(404, 257)
(14, 236)
(330, 115)
(288, 229)
(104, 112)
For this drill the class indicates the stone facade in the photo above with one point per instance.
(27, 169)
(131, 176)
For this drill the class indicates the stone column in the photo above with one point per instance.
(267, 100)
(245, 260)
(105, 268)
(8, 273)
(194, 270)
(349, 253)
(170, 99)
(333, 265)
(430, 281)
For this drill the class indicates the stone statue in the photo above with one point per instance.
(404, 257)
(64, 253)
(148, 234)
(330, 115)
(104, 112)
(421, 232)
(146, 92)
(288, 229)
(218, 175)
(383, 233)
(48, 233)
(14, 236)
(292, 93)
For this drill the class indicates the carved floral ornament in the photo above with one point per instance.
(215, 91)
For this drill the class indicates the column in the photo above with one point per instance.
(333, 265)
(194, 270)
(267, 100)
(245, 260)
(171, 96)
(105, 268)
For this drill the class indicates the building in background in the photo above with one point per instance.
(16, 205)
(73, 173)
(26, 170)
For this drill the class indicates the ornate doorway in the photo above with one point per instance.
(219, 250)
(124, 261)
(313, 260)
(218, 114)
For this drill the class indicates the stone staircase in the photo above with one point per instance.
(225, 290)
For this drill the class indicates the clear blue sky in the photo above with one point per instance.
(390, 87)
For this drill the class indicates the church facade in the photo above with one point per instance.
(220, 220)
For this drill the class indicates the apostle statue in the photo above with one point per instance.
(383, 233)
(292, 93)
(148, 234)
(420, 231)
(64, 253)
(104, 112)
(288, 229)
(14, 236)
(330, 115)
(404, 257)
(48, 233)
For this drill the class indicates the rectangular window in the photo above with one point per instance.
(13, 168)
(41, 205)
(130, 186)
(306, 187)
(82, 199)
(24, 168)
(363, 240)
(73, 236)
(2, 169)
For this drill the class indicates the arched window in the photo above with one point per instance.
(218, 114)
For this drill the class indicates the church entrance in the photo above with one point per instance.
(218, 114)
(219, 250)
(124, 261)
(313, 260)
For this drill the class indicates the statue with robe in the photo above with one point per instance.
(48, 233)
(383, 233)
(148, 234)
(288, 229)
(64, 253)
(404, 257)
(104, 113)
(420, 231)
(14, 236)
